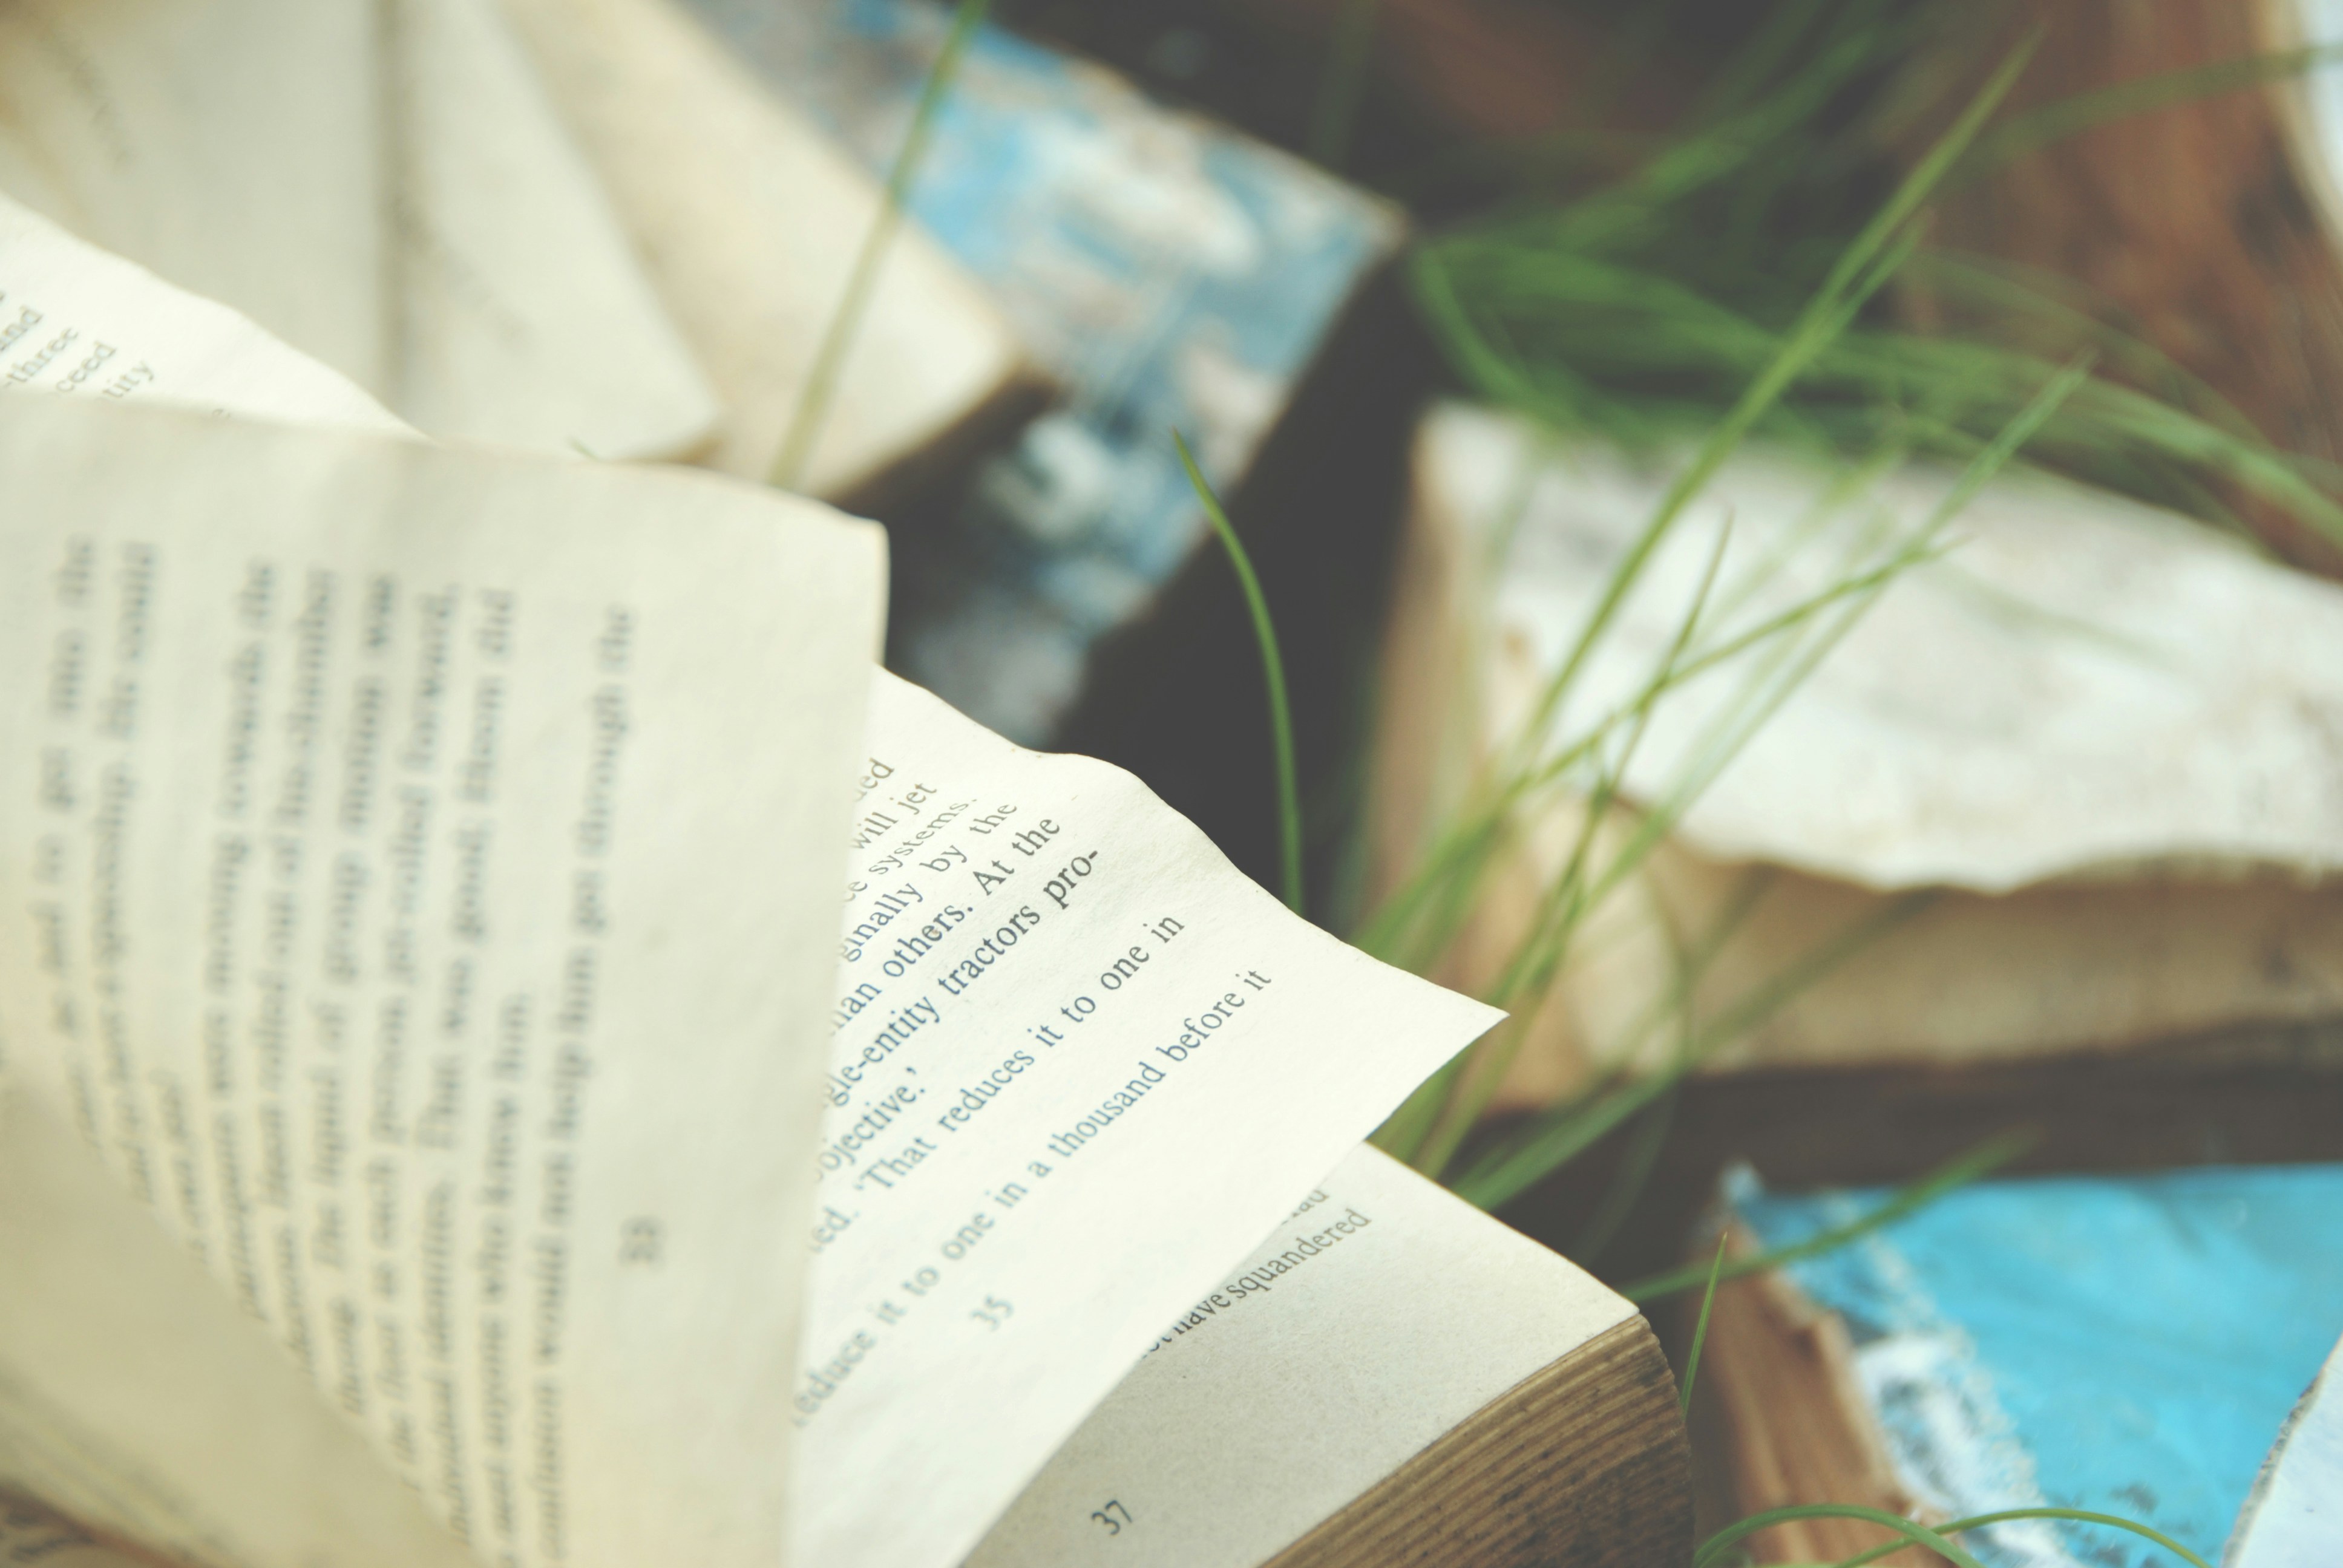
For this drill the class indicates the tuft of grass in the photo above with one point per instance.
(820, 391)
(1729, 286)
(1273, 664)
(1642, 309)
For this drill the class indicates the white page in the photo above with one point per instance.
(415, 866)
(121, 1366)
(1371, 1323)
(1095, 1315)
(2293, 1516)
(236, 146)
(525, 318)
(80, 322)
(1105, 1063)
(2083, 688)
(749, 221)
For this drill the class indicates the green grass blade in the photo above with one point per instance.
(820, 391)
(1958, 1172)
(1711, 1551)
(2037, 128)
(1335, 115)
(1699, 1330)
(1281, 714)
(1630, 1183)
(1557, 1137)
(1980, 1520)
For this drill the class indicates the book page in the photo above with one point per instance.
(2289, 1519)
(418, 875)
(749, 221)
(136, 1399)
(525, 317)
(236, 146)
(1375, 1319)
(82, 323)
(1082, 1065)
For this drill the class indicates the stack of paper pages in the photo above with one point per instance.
(576, 227)
(2065, 785)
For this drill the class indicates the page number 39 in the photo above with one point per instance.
(1115, 1516)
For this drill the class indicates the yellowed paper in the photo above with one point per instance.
(421, 868)
(2099, 730)
(749, 221)
(1081, 1064)
(2083, 687)
(525, 318)
(80, 323)
(1371, 1322)
(136, 1398)
(235, 147)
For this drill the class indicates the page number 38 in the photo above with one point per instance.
(1115, 1516)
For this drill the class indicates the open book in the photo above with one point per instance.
(611, 1078)
(563, 225)
(2055, 782)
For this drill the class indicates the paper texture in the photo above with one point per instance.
(236, 146)
(2098, 735)
(2295, 1511)
(1080, 1060)
(137, 1398)
(2083, 687)
(355, 924)
(748, 221)
(1972, 977)
(1371, 1323)
(81, 323)
(525, 319)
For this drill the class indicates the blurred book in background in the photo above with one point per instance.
(594, 235)
(2130, 1347)
(1171, 273)
(2061, 788)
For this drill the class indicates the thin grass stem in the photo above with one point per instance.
(1280, 713)
(1711, 1551)
(811, 415)
(1334, 117)
(1700, 1329)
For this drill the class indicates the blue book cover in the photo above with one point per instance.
(1172, 273)
(2130, 1346)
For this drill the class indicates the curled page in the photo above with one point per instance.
(136, 1400)
(1082, 1066)
(419, 870)
(525, 318)
(236, 146)
(82, 323)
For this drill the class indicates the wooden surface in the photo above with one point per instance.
(1584, 1464)
(2197, 226)
(1784, 1422)
(2271, 1096)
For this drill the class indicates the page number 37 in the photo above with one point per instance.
(1115, 1516)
